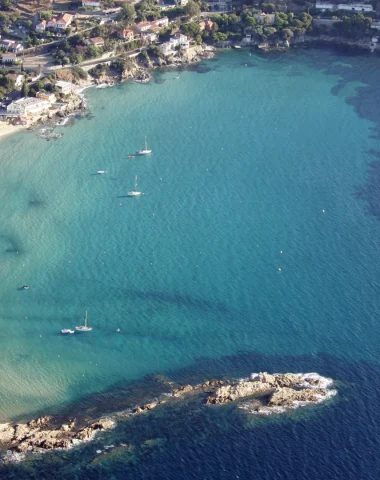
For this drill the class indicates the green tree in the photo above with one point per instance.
(192, 9)
(287, 34)
(128, 12)
(25, 90)
(46, 15)
(192, 29)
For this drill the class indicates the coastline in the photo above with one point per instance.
(142, 73)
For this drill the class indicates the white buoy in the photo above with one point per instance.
(281, 252)
(323, 211)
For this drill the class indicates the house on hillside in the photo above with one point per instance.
(143, 26)
(265, 18)
(161, 22)
(206, 25)
(126, 34)
(60, 23)
(9, 58)
(18, 79)
(41, 26)
(356, 7)
(11, 45)
(96, 42)
(149, 36)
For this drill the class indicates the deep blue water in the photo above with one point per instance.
(254, 248)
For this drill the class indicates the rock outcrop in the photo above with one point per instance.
(36, 435)
(273, 393)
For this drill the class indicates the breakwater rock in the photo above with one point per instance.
(262, 393)
(37, 436)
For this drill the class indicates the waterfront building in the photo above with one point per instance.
(64, 87)
(50, 97)
(126, 34)
(182, 3)
(28, 105)
(180, 40)
(91, 3)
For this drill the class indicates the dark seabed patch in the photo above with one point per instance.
(188, 440)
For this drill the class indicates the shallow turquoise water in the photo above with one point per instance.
(248, 162)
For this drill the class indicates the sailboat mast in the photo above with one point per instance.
(85, 320)
(146, 145)
(136, 182)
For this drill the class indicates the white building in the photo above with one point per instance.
(220, 5)
(143, 26)
(355, 7)
(349, 7)
(64, 87)
(161, 22)
(18, 79)
(41, 26)
(150, 37)
(325, 6)
(60, 23)
(27, 105)
(180, 40)
(9, 58)
(182, 3)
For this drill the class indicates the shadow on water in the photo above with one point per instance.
(188, 440)
(179, 299)
(11, 243)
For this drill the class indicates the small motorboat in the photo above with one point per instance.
(101, 172)
(131, 156)
(25, 287)
(67, 331)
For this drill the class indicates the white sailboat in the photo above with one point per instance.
(135, 192)
(144, 151)
(85, 327)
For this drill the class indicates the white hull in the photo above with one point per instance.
(101, 172)
(133, 194)
(83, 329)
(144, 152)
(67, 331)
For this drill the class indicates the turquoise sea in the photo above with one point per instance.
(255, 247)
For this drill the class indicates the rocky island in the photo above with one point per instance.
(262, 393)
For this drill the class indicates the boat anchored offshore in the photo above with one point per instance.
(85, 327)
(66, 331)
(135, 192)
(144, 151)
(101, 172)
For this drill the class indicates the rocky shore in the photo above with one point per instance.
(265, 393)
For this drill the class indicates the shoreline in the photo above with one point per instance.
(143, 73)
